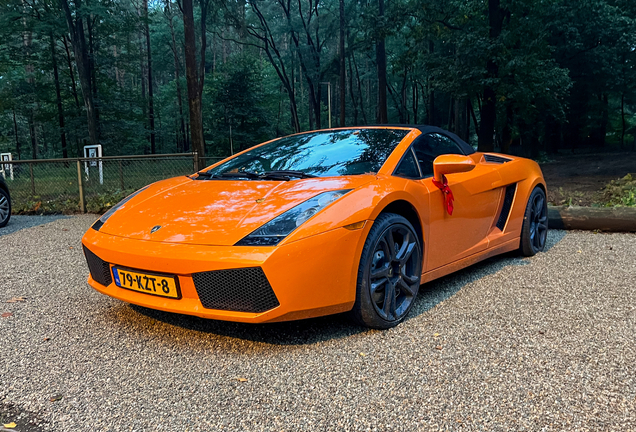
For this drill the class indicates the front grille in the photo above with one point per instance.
(100, 270)
(496, 159)
(507, 205)
(239, 290)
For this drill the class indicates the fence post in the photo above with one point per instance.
(81, 187)
(32, 179)
(196, 161)
(121, 176)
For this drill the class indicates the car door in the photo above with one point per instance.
(453, 237)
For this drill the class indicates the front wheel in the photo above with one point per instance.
(5, 208)
(534, 231)
(389, 273)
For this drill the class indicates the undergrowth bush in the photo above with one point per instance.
(620, 193)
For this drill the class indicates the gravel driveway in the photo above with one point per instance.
(546, 343)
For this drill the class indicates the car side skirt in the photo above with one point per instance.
(437, 273)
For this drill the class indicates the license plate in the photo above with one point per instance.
(149, 283)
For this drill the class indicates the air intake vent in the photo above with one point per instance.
(507, 205)
(496, 159)
(100, 270)
(239, 290)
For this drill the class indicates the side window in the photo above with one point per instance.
(429, 147)
(408, 167)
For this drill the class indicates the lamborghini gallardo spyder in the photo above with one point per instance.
(340, 220)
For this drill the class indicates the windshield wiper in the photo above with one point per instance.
(287, 174)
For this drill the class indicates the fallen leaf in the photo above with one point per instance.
(37, 206)
(436, 335)
(241, 379)
(16, 299)
(363, 355)
(64, 229)
(56, 398)
(439, 347)
(9, 425)
(6, 314)
(46, 339)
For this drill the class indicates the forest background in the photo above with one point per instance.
(525, 77)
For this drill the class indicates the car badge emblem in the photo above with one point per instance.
(155, 229)
(260, 200)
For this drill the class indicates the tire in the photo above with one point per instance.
(5, 208)
(534, 231)
(384, 271)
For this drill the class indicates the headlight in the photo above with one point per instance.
(102, 220)
(281, 226)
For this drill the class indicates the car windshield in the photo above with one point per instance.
(321, 153)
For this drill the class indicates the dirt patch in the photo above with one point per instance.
(25, 421)
(579, 179)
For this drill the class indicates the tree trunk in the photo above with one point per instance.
(177, 74)
(355, 65)
(192, 77)
(71, 72)
(58, 95)
(151, 110)
(15, 129)
(623, 124)
(92, 48)
(380, 56)
(489, 107)
(34, 142)
(78, 40)
(342, 65)
(352, 95)
(604, 121)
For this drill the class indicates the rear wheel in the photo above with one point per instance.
(389, 273)
(5, 208)
(534, 231)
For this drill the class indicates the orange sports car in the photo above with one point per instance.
(339, 220)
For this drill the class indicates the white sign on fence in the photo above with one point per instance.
(90, 152)
(6, 167)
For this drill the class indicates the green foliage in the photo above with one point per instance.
(620, 193)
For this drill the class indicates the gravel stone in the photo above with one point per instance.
(542, 343)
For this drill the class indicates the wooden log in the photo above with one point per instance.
(617, 219)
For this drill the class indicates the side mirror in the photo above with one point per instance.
(451, 164)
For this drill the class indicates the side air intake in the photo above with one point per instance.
(496, 159)
(507, 205)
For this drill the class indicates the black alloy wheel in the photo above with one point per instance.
(5, 208)
(535, 224)
(389, 273)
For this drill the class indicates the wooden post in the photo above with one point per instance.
(32, 179)
(196, 161)
(82, 203)
(121, 176)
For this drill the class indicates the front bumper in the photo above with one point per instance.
(310, 277)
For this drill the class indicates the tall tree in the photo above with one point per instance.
(489, 110)
(151, 110)
(195, 75)
(75, 22)
(341, 52)
(380, 59)
(58, 97)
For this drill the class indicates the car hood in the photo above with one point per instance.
(214, 212)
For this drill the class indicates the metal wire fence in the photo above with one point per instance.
(93, 185)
